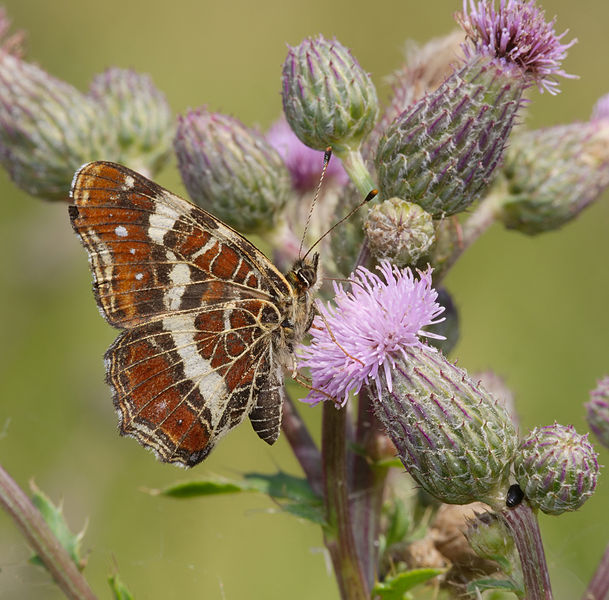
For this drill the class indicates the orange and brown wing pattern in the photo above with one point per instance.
(200, 307)
(152, 252)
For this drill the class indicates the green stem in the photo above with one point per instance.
(356, 169)
(523, 525)
(338, 532)
(40, 537)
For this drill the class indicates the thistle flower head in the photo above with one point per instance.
(369, 328)
(516, 34)
(601, 109)
(10, 43)
(328, 99)
(231, 170)
(139, 114)
(303, 163)
(556, 468)
(597, 411)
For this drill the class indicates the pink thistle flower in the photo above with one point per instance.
(516, 34)
(367, 330)
(601, 109)
(303, 163)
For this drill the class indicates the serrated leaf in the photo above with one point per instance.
(293, 494)
(505, 585)
(282, 485)
(53, 516)
(119, 589)
(394, 588)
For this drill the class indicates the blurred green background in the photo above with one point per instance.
(533, 309)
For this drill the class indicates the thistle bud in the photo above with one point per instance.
(551, 175)
(452, 436)
(48, 129)
(328, 99)
(400, 232)
(231, 170)
(490, 539)
(442, 151)
(137, 111)
(556, 468)
(598, 411)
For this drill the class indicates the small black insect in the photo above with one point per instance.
(514, 496)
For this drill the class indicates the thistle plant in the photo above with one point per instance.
(421, 476)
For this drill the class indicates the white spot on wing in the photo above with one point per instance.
(131, 250)
(180, 278)
(129, 182)
(120, 231)
(139, 276)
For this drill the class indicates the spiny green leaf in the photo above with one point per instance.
(119, 589)
(394, 588)
(53, 516)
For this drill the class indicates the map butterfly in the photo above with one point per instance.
(208, 322)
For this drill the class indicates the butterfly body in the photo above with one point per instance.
(208, 322)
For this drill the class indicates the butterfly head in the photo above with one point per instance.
(304, 274)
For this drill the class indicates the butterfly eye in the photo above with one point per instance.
(514, 496)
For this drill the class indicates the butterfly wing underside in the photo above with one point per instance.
(198, 304)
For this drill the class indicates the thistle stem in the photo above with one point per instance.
(40, 537)
(523, 525)
(598, 588)
(303, 446)
(368, 484)
(338, 531)
(355, 167)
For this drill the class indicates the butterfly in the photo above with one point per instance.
(209, 323)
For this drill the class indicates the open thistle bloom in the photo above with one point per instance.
(368, 330)
(442, 151)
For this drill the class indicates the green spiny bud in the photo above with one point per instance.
(231, 170)
(442, 151)
(556, 468)
(328, 99)
(48, 129)
(551, 175)
(139, 114)
(400, 232)
(489, 538)
(598, 411)
(455, 440)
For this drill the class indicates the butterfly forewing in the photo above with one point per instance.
(200, 306)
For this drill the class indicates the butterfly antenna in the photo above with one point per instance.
(371, 194)
(327, 156)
